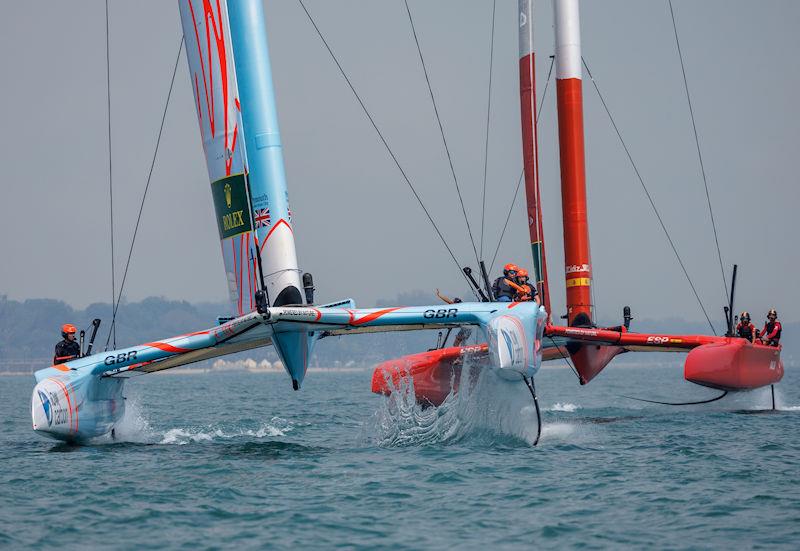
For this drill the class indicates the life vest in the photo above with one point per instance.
(772, 332)
(501, 288)
(746, 331)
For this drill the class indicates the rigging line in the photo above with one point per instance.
(508, 217)
(380, 135)
(720, 397)
(111, 330)
(488, 118)
(565, 357)
(649, 197)
(519, 183)
(144, 195)
(699, 153)
(441, 131)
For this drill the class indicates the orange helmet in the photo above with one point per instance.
(522, 273)
(67, 329)
(510, 268)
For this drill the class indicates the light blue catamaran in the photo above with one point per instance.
(230, 74)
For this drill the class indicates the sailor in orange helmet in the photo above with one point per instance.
(525, 291)
(501, 288)
(67, 349)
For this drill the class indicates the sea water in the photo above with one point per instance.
(239, 460)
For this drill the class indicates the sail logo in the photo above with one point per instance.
(575, 268)
(46, 407)
(232, 206)
(233, 220)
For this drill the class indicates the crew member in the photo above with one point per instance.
(68, 349)
(526, 291)
(745, 329)
(502, 288)
(771, 334)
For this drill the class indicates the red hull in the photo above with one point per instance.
(434, 373)
(734, 365)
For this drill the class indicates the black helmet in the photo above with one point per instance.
(772, 312)
(744, 316)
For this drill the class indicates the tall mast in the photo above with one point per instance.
(530, 146)
(262, 141)
(578, 268)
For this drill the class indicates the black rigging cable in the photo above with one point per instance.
(649, 197)
(565, 357)
(519, 183)
(380, 135)
(699, 153)
(488, 118)
(144, 195)
(532, 389)
(720, 397)
(441, 131)
(110, 173)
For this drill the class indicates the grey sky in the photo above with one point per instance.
(358, 227)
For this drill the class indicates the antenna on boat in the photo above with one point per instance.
(729, 308)
(477, 288)
(486, 282)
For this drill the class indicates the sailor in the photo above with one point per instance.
(68, 349)
(526, 292)
(771, 334)
(745, 329)
(501, 288)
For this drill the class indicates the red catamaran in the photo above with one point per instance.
(726, 362)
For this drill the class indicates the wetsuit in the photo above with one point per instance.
(502, 291)
(66, 351)
(771, 334)
(746, 331)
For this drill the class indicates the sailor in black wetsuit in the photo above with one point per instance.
(501, 288)
(68, 349)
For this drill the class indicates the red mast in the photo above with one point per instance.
(530, 147)
(578, 268)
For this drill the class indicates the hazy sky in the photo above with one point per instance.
(359, 229)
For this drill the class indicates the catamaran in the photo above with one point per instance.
(273, 300)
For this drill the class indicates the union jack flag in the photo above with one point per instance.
(262, 218)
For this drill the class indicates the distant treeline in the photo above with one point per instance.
(30, 329)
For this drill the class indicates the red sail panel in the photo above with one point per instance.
(573, 199)
(530, 147)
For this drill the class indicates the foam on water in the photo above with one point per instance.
(182, 436)
(491, 408)
(565, 407)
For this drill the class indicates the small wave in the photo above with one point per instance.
(183, 436)
(789, 408)
(565, 407)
